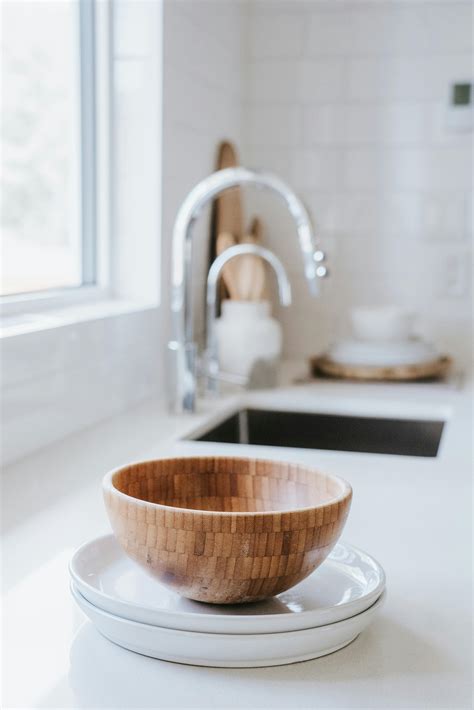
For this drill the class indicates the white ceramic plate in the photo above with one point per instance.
(382, 354)
(347, 583)
(226, 650)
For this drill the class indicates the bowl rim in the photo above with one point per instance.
(108, 486)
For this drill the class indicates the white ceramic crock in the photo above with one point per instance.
(246, 332)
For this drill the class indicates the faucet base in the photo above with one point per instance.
(181, 383)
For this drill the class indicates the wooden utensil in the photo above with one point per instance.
(230, 272)
(254, 281)
(226, 530)
(229, 204)
(256, 230)
(251, 274)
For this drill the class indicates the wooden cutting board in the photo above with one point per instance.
(227, 213)
(229, 216)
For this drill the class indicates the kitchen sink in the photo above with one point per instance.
(333, 432)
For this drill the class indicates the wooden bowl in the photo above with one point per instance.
(226, 530)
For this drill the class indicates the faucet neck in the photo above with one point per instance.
(200, 195)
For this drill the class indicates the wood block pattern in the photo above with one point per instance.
(226, 530)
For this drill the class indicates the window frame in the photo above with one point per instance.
(88, 50)
(95, 86)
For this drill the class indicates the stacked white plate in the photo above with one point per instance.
(411, 351)
(320, 615)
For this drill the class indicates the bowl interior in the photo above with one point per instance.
(228, 484)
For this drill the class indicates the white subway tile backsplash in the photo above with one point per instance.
(321, 80)
(297, 7)
(80, 375)
(214, 20)
(447, 26)
(352, 124)
(444, 217)
(323, 124)
(342, 216)
(436, 169)
(399, 215)
(289, 81)
(384, 178)
(453, 276)
(316, 168)
(330, 33)
(346, 31)
(185, 98)
(41, 407)
(199, 54)
(407, 168)
(273, 125)
(421, 78)
(441, 131)
(387, 28)
(327, 211)
(276, 35)
(275, 160)
(359, 214)
(274, 80)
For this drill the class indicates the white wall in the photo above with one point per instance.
(347, 101)
(202, 105)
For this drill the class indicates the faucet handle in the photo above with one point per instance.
(263, 375)
(319, 257)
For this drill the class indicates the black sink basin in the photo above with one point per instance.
(402, 437)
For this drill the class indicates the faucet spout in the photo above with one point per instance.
(188, 213)
(181, 297)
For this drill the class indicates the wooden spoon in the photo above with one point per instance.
(251, 274)
(256, 230)
(252, 281)
(231, 269)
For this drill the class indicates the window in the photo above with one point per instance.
(48, 146)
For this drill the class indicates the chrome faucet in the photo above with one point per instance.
(284, 293)
(182, 348)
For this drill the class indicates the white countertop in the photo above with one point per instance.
(412, 514)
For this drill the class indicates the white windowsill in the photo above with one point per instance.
(27, 322)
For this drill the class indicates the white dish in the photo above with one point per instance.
(382, 323)
(227, 650)
(346, 584)
(382, 354)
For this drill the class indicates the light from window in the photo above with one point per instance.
(44, 89)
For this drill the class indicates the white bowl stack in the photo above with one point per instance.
(382, 337)
(320, 615)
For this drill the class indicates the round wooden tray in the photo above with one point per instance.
(434, 369)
